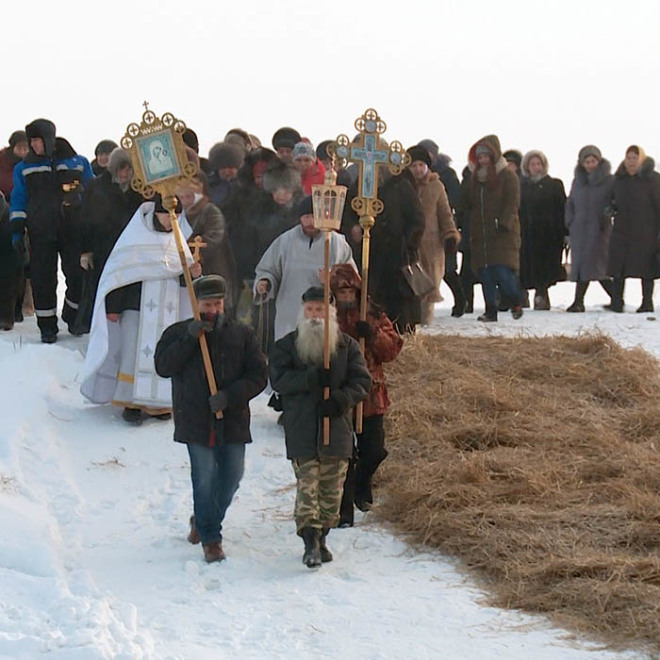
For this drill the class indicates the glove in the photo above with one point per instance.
(335, 406)
(18, 243)
(87, 261)
(197, 328)
(451, 245)
(218, 401)
(364, 329)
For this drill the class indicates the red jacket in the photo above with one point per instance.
(314, 175)
(7, 162)
(383, 346)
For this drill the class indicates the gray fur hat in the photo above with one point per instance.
(118, 160)
(210, 286)
(225, 154)
(281, 175)
(589, 150)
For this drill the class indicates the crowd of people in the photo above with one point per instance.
(258, 263)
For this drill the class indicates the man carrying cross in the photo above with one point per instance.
(140, 293)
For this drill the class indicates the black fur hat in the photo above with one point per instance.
(316, 294)
(286, 137)
(210, 286)
(281, 175)
(16, 138)
(105, 147)
(44, 129)
(225, 154)
(419, 153)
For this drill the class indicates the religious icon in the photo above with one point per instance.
(158, 157)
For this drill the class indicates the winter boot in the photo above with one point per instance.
(132, 416)
(460, 301)
(490, 315)
(617, 296)
(213, 552)
(326, 555)
(647, 297)
(193, 536)
(578, 304)
(48, 337)
(517, 312)
(312, 555)
(542, 300)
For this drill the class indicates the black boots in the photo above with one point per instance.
(542, 300)
(490, 315)
(578, 303)
(647, 297)
(460, 301)
(326, 555)
(617, 296)
(312, 538)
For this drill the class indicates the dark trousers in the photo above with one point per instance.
(367, 456)
(468, 280)
(216, 473)
(502, 277)
(43, 273)
(11, 283)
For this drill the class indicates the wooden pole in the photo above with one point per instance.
(206, 357)
(366, 222)
(326, 332)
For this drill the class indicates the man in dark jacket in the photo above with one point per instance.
(216, 446)
(48, 187)
(297, 373)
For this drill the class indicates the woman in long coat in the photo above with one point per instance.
(440, 232)
(492, 201)
(588, 220)
(636, 227)
(542, 227)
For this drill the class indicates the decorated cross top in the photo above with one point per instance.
(369, 152)
(196, 246)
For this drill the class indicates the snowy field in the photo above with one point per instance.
(94, 561)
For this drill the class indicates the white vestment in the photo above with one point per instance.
(291, 264)
(141, 254)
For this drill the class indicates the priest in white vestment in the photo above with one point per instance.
(293, 263)
(140, 294)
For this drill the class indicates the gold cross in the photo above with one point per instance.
(196, 246)
(146, 106)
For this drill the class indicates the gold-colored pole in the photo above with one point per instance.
(366, 222)
(206, 357)
(326, 333)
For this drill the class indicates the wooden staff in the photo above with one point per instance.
(366, 222)
(208, 367)
(326, 332)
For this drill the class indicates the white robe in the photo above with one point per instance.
(141, 254)
(291, 264)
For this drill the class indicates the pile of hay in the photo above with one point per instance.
(536, 462)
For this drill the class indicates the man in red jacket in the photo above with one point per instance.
(382, 344)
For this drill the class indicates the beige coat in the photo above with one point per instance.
(439, 227)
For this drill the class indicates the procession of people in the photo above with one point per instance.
(261, 283)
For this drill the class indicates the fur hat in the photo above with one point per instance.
(344, 276)
(420, 153)
(281, 175)
(118, 160)
(105, 147)
(285, 137)
(17, 137)
(589, 150)
(431, 147)
(305, 206)
(534, 153)
(304, 150)
(190, 139)
(240, 138)
(44, 129)
(225, 154)
(316, 294)
(322, 150)
(513, 156)
(210, 286)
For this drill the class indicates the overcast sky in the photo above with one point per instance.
(541, 75)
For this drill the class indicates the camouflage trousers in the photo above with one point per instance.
(320, 485)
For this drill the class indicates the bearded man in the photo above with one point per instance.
(382, 344)
(297, 373)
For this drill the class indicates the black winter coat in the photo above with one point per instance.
(636, 223)
(542, 232)
(297, 384)
(240, 371)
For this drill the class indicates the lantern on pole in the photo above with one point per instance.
(328, 206)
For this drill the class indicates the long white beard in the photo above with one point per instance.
(309, 342)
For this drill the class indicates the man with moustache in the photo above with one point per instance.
(297, 373)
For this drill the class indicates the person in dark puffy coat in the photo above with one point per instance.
(633, 247)
(102, 156)
(11, 271)
(493, 198)
(542, 228)
(10, 157)
(225, 159)
(589, 224)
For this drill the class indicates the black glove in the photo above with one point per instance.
(364, 329)
(335, 406)
(318, 378)
(218, 401)
(451, 246)
(198, 328)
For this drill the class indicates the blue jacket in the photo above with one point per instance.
(48, 192)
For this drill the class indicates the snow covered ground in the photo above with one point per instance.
(94, 561)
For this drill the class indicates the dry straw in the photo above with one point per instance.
(535, 461)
